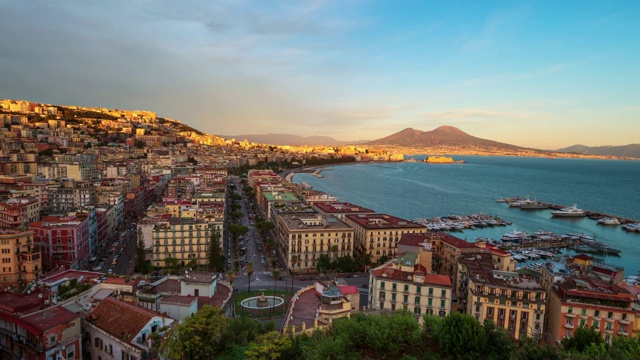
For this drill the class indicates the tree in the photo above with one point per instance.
(461, 336)
(142, 265)
(268, 346)
(215, 256)
(334, 252)
(236, 230)
(171, 264)
(582, 338)
(236, 215)
(249, 273)
(196, 337)
(323, 263)
(235, 207)
(240, 331)
(264, 227)
(46, 152)
(235, 197)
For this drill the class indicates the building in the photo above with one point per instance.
(303, 237)
(186, 240)
(447, 251)
(404, 283)
(378, 234)
(17, 213)
(514, 301)
(62, 241)
(33, 329)
(118, 330)
(587, 292)
(21, 262)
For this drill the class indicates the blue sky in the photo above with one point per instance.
(543, 74)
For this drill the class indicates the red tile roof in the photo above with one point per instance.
(348, 289)
(584, 257)
(341, 208)
(118, 318)
(456, 242)
(50, 318)
(414, 240)
(442, 280)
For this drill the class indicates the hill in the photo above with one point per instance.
(442, 136)
(629, 151)
(287, 139)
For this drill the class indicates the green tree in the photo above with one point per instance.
(530, 350)
(269, 346)
(240, 331)
(462, 336)
(236, 230)
(294, 260)
(249, 273)
(236, 215)
(582, 338)
(142, 265)
(323, 263)
(229, 275)
(171, 264)
(264, 227)
(499, 344)
(235, 197)
(334, 251)
(196, 337)
(215, 256)
(235, 207)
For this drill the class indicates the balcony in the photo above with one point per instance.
(608, 330)
(624, 321)
(570, 315)
(584, 316)
(597, 318)
(623, 333)
(568, 326)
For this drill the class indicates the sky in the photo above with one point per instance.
(543, 74)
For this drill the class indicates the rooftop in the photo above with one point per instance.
(342, 208)
(121, 319)
(391, 272)
(312, 221)
(383, 221)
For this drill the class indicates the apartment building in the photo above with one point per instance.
(405, 283)
(514, 301)
(587, 292)
(62, 241)
(181, 238)
(340, 209)
(378, 234)
(307, 235)
(21, 262)
(17, 213)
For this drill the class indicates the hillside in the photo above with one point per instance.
(442, 136)
(629, 151)
(287, 139)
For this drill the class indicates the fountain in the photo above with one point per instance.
(262, 302)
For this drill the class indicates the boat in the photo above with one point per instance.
(602, 248)
(631, 227)
(515, 235)
(442, 160)
(571, 211)
(608, 221)
(532, 205)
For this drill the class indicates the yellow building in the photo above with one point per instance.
(309, 235)
(378, 234)
(513, 301)
(21, 262)
(404, 283)
(184, 239)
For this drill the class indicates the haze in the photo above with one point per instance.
(535, 74)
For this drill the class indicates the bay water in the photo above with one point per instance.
(412, 190)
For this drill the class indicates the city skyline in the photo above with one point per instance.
(537, 74)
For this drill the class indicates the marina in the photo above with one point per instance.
(459, 223)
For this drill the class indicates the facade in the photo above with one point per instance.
(63, 242)
(404, 283)
(511, 300)
(183, 239)
(17, 213)
(21, 262)
(305, 236)
(588, 295)
(378, 234)
(447, 251)
(118, 330)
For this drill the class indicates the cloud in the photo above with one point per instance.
(473, 113)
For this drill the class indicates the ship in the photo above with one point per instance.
(442, 160)
(572, 211)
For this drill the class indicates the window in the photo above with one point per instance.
(418, 289)
(597, 314)
(582, 322)
(405, 299)
(570, 311)
(417, 311)
(406, 288)
(624, 316)
(444, 293)
(584, 312)
(71, 350)
(430, 291)
(610, 315)
(417, 300)
(443, 303)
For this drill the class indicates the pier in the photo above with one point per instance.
(633, 225)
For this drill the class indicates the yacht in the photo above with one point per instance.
(571, 211)
(609, 221)
(631, 227)
(515, 235)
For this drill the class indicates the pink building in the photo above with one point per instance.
(62, 241)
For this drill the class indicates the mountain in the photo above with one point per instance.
(287, 139)
(630, 151)
(442, 136)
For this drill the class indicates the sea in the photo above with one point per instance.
(413, 190)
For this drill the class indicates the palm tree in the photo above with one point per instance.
(276, 276)
(230, 277)
(294, 260)
(249, 272)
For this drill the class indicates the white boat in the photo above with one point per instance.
(631, 227)
(515, 235)
(571, 211)
(608, 221)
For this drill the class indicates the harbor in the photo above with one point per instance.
(629, 225)
(459, 223)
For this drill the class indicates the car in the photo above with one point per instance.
(110, 271)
